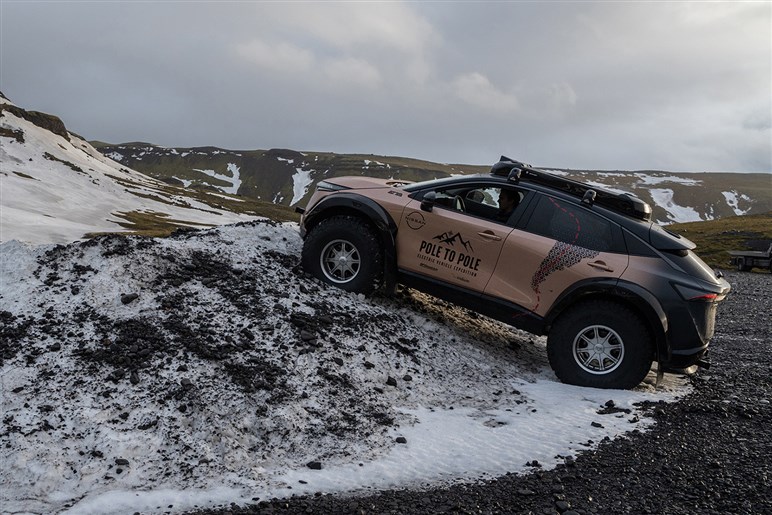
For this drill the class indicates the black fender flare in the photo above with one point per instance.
(634, 295)
(352, 204)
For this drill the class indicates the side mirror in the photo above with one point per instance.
(427, 202)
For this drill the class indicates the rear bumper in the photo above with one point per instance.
(686, 358)
(690, 329)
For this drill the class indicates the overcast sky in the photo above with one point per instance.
(615, 85)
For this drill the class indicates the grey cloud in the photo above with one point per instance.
(760, 120)
(594, 85)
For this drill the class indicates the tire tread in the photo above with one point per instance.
(369, 247)
(637, 340)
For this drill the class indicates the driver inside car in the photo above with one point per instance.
(508, 200)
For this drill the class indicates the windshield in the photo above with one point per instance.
(416, 186)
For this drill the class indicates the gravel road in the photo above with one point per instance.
(709, 453)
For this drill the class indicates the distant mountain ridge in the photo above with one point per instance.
(281, 176)
(287, 177)
(57, 187)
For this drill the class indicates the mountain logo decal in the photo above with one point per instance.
(450, 238)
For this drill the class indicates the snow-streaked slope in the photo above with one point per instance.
(231, 371)
(55, 190)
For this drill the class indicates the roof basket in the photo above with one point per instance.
(620, 202)
(505, 166)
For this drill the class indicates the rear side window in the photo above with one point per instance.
(575, 225)
(690, 263)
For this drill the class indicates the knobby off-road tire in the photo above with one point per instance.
(600, 344)
(345, 252)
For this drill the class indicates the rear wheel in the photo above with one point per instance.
(741, 265)
(344, 251)
(600, 344)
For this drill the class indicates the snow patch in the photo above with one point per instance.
(301, 180)
(185, 182)
(445, 446)
(733, 200)
(664, 198)
(233, 178)
(652, 180)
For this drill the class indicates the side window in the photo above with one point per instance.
(493, 203)
(486, 196)
(575, 225)
(507, 200)
(449, 199)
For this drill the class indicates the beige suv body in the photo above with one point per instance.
(587, 267)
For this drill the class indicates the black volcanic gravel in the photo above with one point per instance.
(710, 453)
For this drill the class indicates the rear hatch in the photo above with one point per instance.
(679, 252)
(670, 265)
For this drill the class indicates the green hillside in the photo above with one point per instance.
(715, 237)
(288, 177)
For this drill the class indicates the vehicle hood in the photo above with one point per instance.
(356, 183)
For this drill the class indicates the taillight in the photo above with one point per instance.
(707, 297)
(691, 294)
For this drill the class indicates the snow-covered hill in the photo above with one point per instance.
(149, 375)
(56, 187)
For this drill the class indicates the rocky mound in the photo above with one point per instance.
(208, 361)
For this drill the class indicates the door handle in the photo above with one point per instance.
(600, 265)
(488, 235)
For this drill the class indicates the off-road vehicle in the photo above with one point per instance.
(612, 291)
(745, 260)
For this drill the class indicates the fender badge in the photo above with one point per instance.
(415, 220)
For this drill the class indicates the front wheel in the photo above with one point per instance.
(600, 344)
(344, 251)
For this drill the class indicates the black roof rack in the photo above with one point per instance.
(620, 202)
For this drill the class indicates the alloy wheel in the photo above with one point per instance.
(598, 349)
(340, 261)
